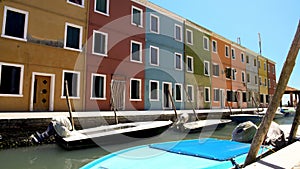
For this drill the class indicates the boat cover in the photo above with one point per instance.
(206, 148)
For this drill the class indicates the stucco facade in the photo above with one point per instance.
(38, 55)
(263, 80)
(271, 79)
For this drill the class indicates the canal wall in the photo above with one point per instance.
(17, 127)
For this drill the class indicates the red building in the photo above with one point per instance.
(271, 79)
(115, 55)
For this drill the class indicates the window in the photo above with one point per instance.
(260, 82)
(205, 43)
(154, 23)
(244, 97)
(178, 61)
(136, 52)
(206, 68)
(15, 23)
(242, 57)
(154, 55)
(259, 64)
(73, 37)
(265, 81)
(234, 74)
(135, 89)
(76, 2)
(262, 96)
(178, 92)
(178, 33)
(265, 66)
(190, 92)
(73, 79)
(11, 79)
(190, 64)
(98, 88)
(228, 73)
(254, 62)
(102, 7)
(229, 95)
(248, 77)
(216, 95)
(268, 67)
(243, 77)
(100, 43)
(216, 70)
(269, 83)
(137, 17)
(234, 96)
(255, 79)
(214, 46)
(154, 90)
(189, 37)
(247, 59)
(207, 94)
(232, 53)
(273, 69)
(226, 51)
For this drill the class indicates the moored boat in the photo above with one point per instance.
(240, 118)
(197, 126)
(192, 154)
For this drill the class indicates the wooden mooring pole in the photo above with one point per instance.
(295, 124)
(69, 106)
(281, 86)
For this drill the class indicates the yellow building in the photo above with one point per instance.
(263, 80)
(41, 47)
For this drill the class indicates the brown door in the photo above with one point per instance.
(41, 93)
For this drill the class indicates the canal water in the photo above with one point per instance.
(53, 157)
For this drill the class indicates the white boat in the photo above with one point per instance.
(197, 126)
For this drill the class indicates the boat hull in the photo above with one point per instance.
(112, 134)
(198, 126)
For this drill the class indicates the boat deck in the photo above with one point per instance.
(287, 157)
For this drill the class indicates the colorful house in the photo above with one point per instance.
(198, 66)
(164, 61)
(115, 56)
(238, 67)
(41, 46)
(271, 79)
(262, 80)
(252, 79)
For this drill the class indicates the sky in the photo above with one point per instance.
(275, 20)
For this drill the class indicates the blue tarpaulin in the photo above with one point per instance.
(206, 148)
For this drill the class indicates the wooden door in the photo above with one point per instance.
(41, 93)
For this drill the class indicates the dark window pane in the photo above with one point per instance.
(178, 92)
(72, 84)
(79, 2)
(154, 54)
(100, 43)
(229, 96)
(136, 16)
(101, 6)
(135, 89)
(15, 23)
(178, 61)
(98, 87)
(207, 94)
(10, 80)
(154, 88)
(135, 52)
(73, 37)
(154, 24)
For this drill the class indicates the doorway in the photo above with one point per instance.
(167, 90)
(200, 97)
(42, 92)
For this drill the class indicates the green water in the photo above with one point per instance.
(53, 157)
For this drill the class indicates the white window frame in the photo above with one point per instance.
(158, 25)
(180, 28)
(233, 57)
(106, 43)
(205, 38)
(215, 64)
(63, 84)
(82, 5)
(227, 51)
(150, 90)
(80, 37)
(243, 75)
(207, 101)
(214, 48)
(21, 79)
(141, 13)
(233, 73)
(242, 57)
(218, 95)
(187, 89)
(192, 38)
(150, 59)
(208, 68)
(192, 64)
(104, 87)
(181, 96)
(6, 8)
(107, 8)
(140, 89)
(180, 61)
(140, 51)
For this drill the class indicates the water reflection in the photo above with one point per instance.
(53, 157)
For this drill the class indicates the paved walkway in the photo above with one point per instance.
(34, 115)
